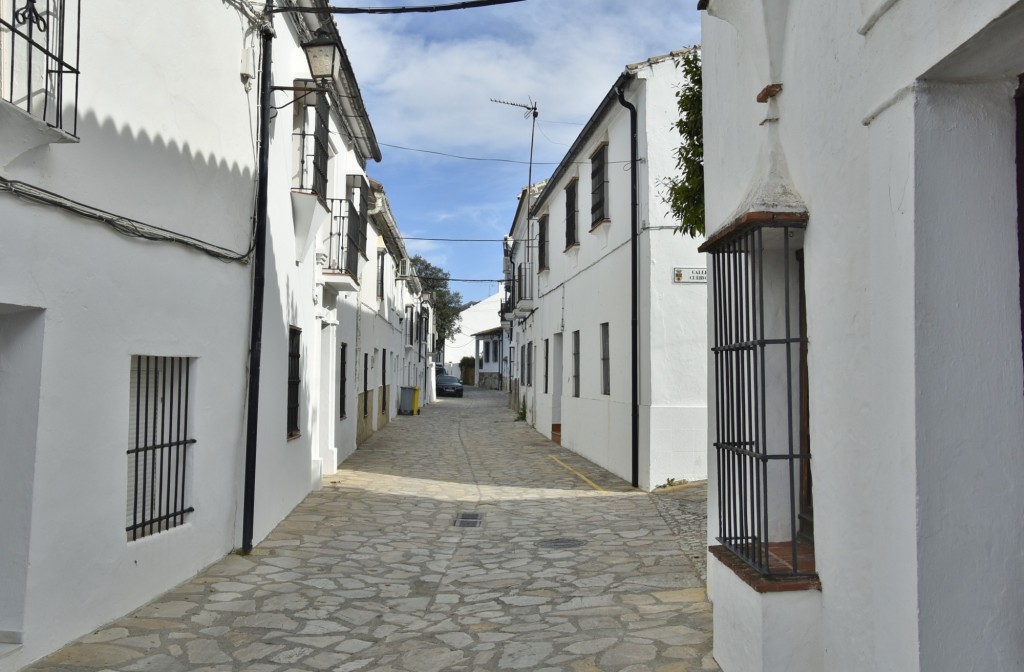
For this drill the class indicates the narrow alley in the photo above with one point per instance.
(560, 566)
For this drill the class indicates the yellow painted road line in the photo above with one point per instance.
(586, 480)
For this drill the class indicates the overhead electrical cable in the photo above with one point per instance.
(469, 4)
(479, 158)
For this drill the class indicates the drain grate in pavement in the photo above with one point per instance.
(561, 542)
(468, 520)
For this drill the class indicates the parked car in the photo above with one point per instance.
(449, 385)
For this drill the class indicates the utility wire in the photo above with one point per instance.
(125, 226)
(478, 158)
(459, 240)
(470, 4)
(466, 158)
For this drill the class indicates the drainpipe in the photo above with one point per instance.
(634, 288)
(258, 282)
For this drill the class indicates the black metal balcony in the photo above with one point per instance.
(39, 59)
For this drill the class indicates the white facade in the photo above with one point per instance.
(893, 136)
(162, 145)
(492, 358)
(479, 317)
(569, 284)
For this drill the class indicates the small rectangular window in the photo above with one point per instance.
(522, 363)
(366, 384)
(343, 386)
(606, 385)
(294, 379)
(599, 186)
(158, 433)
(381, 256)
(576, 364)
(570, 215)
(546, 351)
(384, 381)
(529, 364)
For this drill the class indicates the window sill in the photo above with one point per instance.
(294, 435)
(25, 132)
(574, 246)
(597, 225)
(760, 582)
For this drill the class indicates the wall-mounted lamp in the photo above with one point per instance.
(323, 54)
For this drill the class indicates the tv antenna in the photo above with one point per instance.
(531, 111)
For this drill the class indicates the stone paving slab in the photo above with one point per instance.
(371, 573)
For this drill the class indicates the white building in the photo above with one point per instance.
(478, 317)
(866, 415)
(491, 358)
(641, 415)
(128, 196)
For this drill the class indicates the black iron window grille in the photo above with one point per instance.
(39, 50)
(381, 254)
(366, 384)
(294, 379)
(571, 237)
(762, 442)
(311, 129)
(546, 352)
(158, 431)
(321, 148)
(529, 364)
(410, 326)
(358, 207)
(542, 243)
(576, 364)
(599, 185)
(384, 382)
(343, 382)
(606, 371)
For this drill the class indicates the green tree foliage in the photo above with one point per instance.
(685, 196)
(446, 303)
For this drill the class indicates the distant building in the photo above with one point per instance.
(491, 358)
(865, 210)
(475, 318)
(570, 298)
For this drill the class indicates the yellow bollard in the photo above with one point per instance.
(416, 401)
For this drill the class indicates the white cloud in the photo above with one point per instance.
(428, 79)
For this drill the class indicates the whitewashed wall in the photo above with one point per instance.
(98, 298)
(478, 317)
(588, 285)
(896, 121)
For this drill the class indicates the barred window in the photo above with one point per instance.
(571, 238)
(381, 255)
(599, 185)
(542, 243)
(343, 383)
(576, 364)
(529, 364)
(762, 437)
(606, 373)
(158, 433)
(39, 60)
(546, 350)
(321, 148)
(294, 379)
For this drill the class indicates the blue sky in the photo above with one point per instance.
(427, 81)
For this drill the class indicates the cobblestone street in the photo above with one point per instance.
(569, 568)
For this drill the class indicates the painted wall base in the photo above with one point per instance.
(763, 632)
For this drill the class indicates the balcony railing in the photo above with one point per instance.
(524, 287)
(345, 240)
(39, 59)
